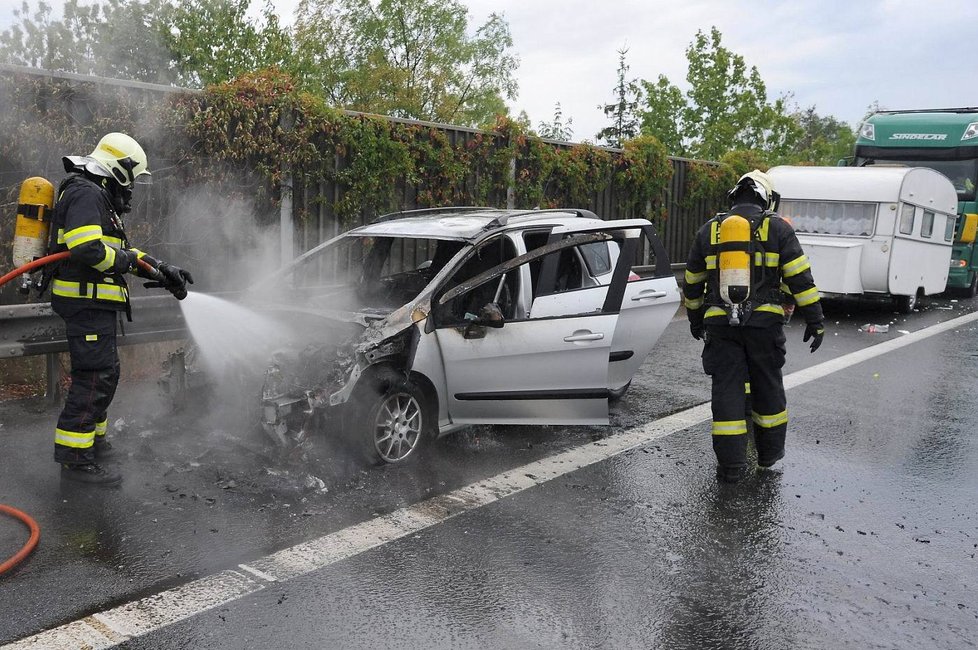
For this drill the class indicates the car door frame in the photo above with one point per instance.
(541, 398)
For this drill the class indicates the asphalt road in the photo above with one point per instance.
(866, 535)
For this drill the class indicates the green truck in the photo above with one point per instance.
(944, 139)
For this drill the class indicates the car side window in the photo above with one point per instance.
(502, 292)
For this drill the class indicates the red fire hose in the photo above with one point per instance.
(54, 257)
(28, 548)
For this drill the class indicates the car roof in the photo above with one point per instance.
(464, 223)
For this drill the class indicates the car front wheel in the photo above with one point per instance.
(394, 421)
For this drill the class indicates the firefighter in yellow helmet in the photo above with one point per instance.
(89, 291)
(739, 263)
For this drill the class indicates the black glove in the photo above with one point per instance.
(125, 260)
(174, 280)
(815, 332)
(696, 328)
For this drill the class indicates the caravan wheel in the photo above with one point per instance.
(905, 304)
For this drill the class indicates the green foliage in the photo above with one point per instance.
(725, 108)
(210, 41)
(560, 129)
(642, 175)
(824, 140)
(406, 58)
(623, 111)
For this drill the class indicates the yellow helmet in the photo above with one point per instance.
(122, 157)
(761, 186)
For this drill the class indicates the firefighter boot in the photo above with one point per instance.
(767, 462)
(731, 474)
(103, 448)
(91, 473)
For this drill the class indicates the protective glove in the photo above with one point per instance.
(125, 260)
(696, 328)
(174, 280)
(815, 332)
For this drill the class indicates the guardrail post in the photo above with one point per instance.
(53, 372)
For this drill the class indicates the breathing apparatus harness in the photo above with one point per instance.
(738, 241)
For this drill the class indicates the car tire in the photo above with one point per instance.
(906, 304)
(392, 421)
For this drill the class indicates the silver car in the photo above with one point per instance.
(427, 321)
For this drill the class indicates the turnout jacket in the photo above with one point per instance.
(85, 223)
(779, 266)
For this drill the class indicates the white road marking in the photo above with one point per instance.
(116, 625)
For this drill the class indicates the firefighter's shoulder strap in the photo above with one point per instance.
(43, 283)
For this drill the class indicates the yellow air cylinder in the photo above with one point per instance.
(33, 220)
(734, 264)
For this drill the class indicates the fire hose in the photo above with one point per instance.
(28, 548)
(35, 535)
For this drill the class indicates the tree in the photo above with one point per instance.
(824, 140)
(559, 129)
(407, 58)
(725, 108)
(114, 38)
(662, 118)
(210, 41)
(190, 42)
(623, 111)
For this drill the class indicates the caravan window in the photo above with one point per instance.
(906, 219)
(830, 217)
(949, 229)
(927, 228)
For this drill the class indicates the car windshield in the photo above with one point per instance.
(368, 274)
(962, 173)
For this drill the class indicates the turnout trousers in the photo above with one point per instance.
(734, 356)
(91, 337)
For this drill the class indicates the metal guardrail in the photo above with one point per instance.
(33, 329)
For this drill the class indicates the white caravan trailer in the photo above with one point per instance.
(872, 230)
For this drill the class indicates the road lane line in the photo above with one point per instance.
(111, 627)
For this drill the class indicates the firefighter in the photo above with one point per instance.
(739, 264)
(89, 291)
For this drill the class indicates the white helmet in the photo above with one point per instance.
(762, 187)
(122, 157)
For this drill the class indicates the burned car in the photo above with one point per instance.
(426, 321)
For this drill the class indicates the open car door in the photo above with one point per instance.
(546, 363)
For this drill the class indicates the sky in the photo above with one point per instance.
(841, 56)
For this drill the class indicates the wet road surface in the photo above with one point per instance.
(866, 535)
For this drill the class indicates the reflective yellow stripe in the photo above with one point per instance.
(91, 337)
(82, 235)
(784, 288)
(715, 232)
(61, 235)
(730, 428)
(762, 230)
(695, 278)
(108, 261)
(747, 387)
(114, 242)
(67, 289)
(807, 297)
(714, 311)
(101, 427)
(693, 303)
(139, 254)
(74, 439)
(769, 421)
(795, 266)
(772, 259)
(711, 262)
(773, 309)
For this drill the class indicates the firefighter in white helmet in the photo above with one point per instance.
(89, 291)
(739, 263)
